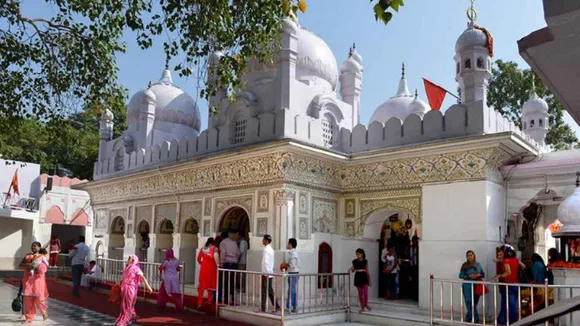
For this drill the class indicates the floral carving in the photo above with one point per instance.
(166, 212)
(143, 213)
(222, 204)
(303, 170)
(303, 203)
(283, 196)
(303, 229)
(349, 210)
(206, 228)
(101, 219)
(409, 204)
(188, 210)
(324, 215)
(263, 201)
(262, 227)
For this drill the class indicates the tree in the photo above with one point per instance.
(68, 54)
(509, 89)
(381, 9)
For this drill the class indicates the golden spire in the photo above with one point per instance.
(472, 13)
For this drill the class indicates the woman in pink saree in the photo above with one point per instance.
(169, 289)
(35, 290)
(132, 277)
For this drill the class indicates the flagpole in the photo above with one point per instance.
(7, 194)
(448, 92)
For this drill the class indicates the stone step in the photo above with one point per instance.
(389, 318)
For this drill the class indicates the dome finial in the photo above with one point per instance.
(166, 76)
(353, 46)
(416, 93)
(472, 13)
(149, 85)
(403, 71)
(349, 52)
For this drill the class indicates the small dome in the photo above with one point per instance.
(107, 115)
(397, 106)
(172, 104)
(535, 105)
(350, 65)
(315, 61)
(356, 56)
(418, 107)
(471, 37)
(569, 213)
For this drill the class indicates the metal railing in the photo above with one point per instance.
(112, 271)
(454, 302)
(273, 292)
(18, 202)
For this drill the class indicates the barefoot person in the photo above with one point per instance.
(362, 279)
(34, 288)
(208, 260)
(132, 276)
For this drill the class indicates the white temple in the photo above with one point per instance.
(290, 158)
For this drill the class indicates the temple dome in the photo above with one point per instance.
(315, 61)
(418, 107)
(397, 106)
(471, 37)
(535, 105)
(569, 213)
(172, 104)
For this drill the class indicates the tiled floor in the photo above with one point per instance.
(60, 313)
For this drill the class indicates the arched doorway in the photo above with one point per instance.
(188, 247)
(100, 250)
(143, 231)
(324, 265)
(395, 227)
(235, 220)
(164, 239)
(117, 238)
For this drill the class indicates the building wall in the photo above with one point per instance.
(16, 235)
(27, 177)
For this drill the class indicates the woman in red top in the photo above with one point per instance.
(54, 251)
(208, 260)
(509, 274)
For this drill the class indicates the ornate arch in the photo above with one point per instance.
(245, 105)
(324, 265)
(231, 210)
(325, 103)
(117, 221)
(165, 226)
(411, 205)
(190, 226)
(100, 249)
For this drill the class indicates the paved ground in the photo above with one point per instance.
(60, 313)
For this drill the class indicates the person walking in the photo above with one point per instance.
(78, 256)
(293, 269)
(54, 250)
(208, 260)
(362, 278)
(132, 277)
(229, 256)
(169, 289)
(391, 270)
(34, 287)
(471, 270)
(267, 274)
(509, 273)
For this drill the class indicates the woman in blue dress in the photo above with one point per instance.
(471, 270)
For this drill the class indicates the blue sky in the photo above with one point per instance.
(422, 35)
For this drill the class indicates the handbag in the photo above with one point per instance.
(17, 304)
(480, 289)
(115, 295)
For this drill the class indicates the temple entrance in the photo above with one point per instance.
(188, 247)
(235, 220)
(142, 242)
(396, 229)
(117, 238)
(164, 239)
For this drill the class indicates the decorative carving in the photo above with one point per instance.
(118, 212)
(349, 226)
(143, 213)
(207, 207)
(190, 226)
(324, 215)
(130, 213)
(300, 169)
(166, 212)
(262, 227)
(303, 233)
(188, 210)
(349, 211)
(283, 196)
(263, 201)
(408, 204)
(222, 204)
(129, 233)
(101, 219)
(206, 228)
(303, 203)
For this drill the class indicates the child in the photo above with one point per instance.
(362, 278)
(392, 268)
(38, 259)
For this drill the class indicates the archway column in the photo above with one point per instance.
(130, 244)
(152, 251)
(184, 246)
(284, 224)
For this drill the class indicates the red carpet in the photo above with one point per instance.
(147, 312)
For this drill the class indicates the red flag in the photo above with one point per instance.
(435, 94)
(14, 183)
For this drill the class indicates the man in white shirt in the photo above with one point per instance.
(229, 257)
(293, 268)
(267, 271)
(78, 256)
(243, 260)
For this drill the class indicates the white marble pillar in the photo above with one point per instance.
(285, 222)
(152, 250)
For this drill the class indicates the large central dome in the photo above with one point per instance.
(316, 63)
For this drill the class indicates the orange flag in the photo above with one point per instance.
(14, 183)
(435, 94)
